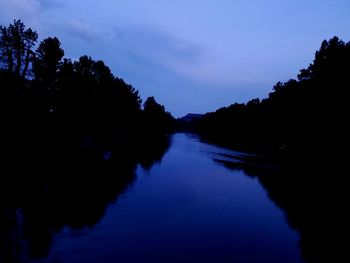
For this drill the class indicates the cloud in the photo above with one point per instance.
(153, 49)
(82, 30)
(52, 4)
(27, 10)
(199, 63)
(157, 45)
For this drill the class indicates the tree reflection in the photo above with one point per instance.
(41, 193)
(312, 194)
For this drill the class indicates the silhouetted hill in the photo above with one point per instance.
(190, 117)
(188, 122)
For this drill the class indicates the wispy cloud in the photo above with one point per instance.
(28, 10)
(82, 30)
(152, 46)
(52, 4)
(154, 42)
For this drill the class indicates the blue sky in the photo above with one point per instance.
(192, 55)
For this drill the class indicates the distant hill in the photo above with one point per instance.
(188, 122)
(190, 117)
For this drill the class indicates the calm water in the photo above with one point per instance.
(186, 208)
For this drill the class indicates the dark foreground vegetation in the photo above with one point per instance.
(72, 135)
(303, 124)
(50, 102)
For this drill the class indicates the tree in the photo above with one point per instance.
(157, 119)
(16, 45)
(297, 112)
(47, 61)
(48, 58)
(152, 106)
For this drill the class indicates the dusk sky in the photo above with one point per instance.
(192, 55)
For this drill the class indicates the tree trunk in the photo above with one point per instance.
(26, 65)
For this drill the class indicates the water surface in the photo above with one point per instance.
(186, 208)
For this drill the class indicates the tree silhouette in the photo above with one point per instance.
(303, 125)
(48, 58)
(66, 102)
(157, 119)
(47, 61)
(295, 113)
(16, 45)
(68, 115)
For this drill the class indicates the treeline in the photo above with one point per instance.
(47, 97)
(304, 124)
(300, 115)
(72, 136)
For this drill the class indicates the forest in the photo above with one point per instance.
(73, 135)
(302, 127)
(60, 116)
(304, 115)
(51, 103)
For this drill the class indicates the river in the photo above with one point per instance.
(188, 207)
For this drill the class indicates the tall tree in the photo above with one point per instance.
(157, 119)
(48, 58)
(47, 61)
(16, 45)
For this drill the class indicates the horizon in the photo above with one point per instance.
(108, 153)
(215, 55)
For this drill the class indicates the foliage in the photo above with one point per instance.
(16, 45)
(157, 117)
(65, 100)
(298, 114)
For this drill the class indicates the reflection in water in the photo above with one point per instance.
(186, 209)
(311, 195)
(40, 194)
(196, 207)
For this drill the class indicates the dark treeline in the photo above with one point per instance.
(298, 115)
(72, 135)
(47, 100)
(303, 122)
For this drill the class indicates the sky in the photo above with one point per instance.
(193, 56)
